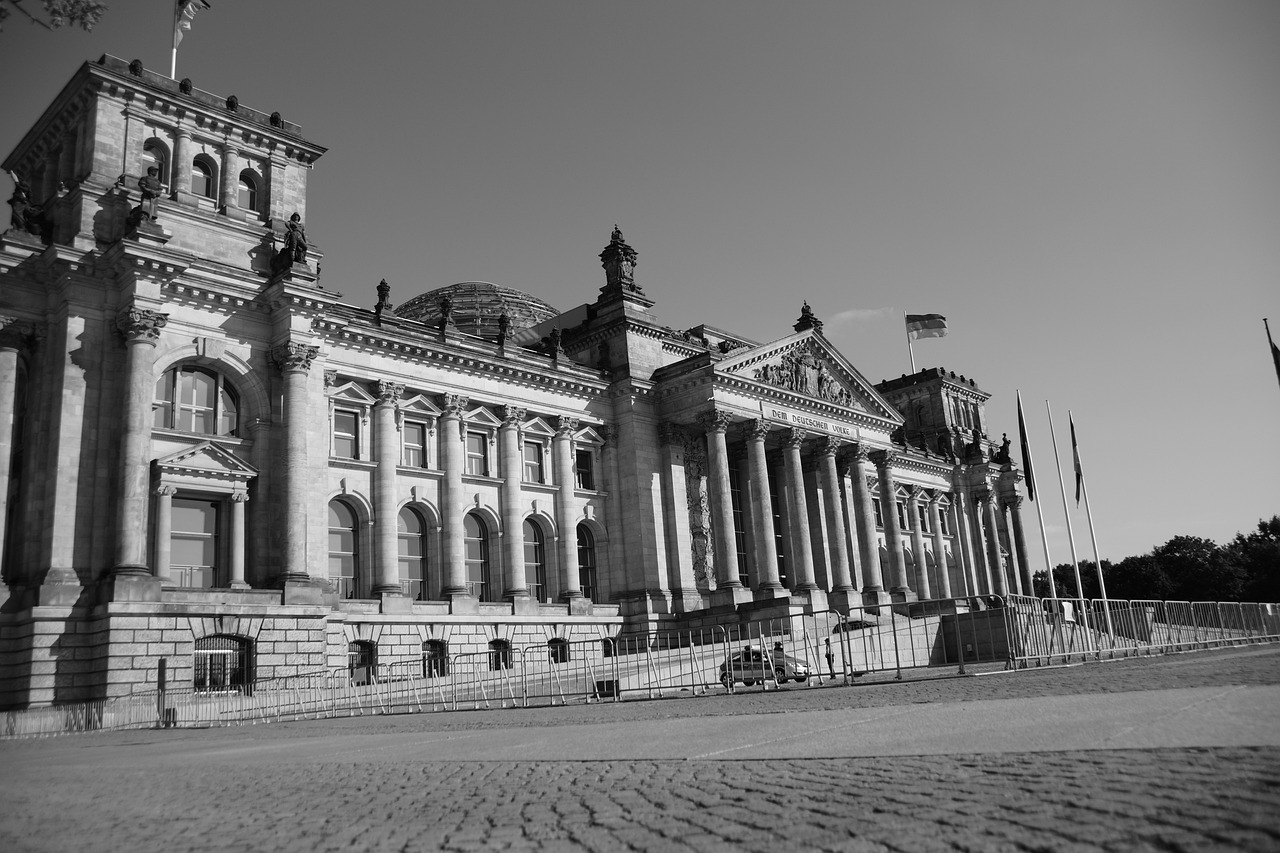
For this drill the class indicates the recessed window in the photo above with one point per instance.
(193, 543)
(923, 512)
(155, 153)
(558, 649)
(587, 562)
(477, 454)
(362, 662)
(584, 469)
(415, 444)
(202, 183)
(903, 520)
(346, 434)
(875, 505)
(499, 655)
(535, 561)
(476, 542)
(344, 553)
(435, 659)
(247, 196)
(413, 560)
(222, 665)
(533, 462)
(942, 524)
(192, 399)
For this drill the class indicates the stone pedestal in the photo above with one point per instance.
(129, 588)
(394, 602)
(731, 596)
(60, 587)
(875, 598)
(844, 600)
(303, 592)
(461, 604)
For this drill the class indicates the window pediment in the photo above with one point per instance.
(206, 465)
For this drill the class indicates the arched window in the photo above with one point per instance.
(222, 664)
(499, 655)
(247, 198)
(535, 561)
(156, 153)
(344, 553)
(362, 662)
(587, 562)
(192, 399)
(202, 177)
(558, 649)
(476, 537)
(435, 658)
(413, 561)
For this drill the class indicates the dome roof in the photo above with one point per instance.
(477, 306)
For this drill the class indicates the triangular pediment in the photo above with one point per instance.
(806, 365)
(206, 460)
(350, 392)
(537, 426)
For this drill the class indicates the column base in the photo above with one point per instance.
(579, 606)
(396, 602)
(815, 599)
(462, 604)
(875, 597)
(232, 585)
(303, 592)
(121, 587)
(903, 594)
(844, 600)
(732, 596)
(763, 593)
(60, 587)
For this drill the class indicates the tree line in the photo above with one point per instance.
(1186, 568)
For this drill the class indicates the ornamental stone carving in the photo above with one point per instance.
(670, 433)
(619, 262)
(1014, 503)
(138, 325)
(330, 378)
(858, 453)
(15, 334)
(294, 358)
(830, 446)
(800, 371)
(884, 458)
(756, 430)
(388, 393)
(512, 416)
(165, 490)
(794, 436)
(566, 425)
(716, 420)
(452, 404)
(608, 434)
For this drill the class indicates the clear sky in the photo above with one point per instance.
(1089, 191)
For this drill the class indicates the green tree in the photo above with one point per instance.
(1258, 557)
(56, 13)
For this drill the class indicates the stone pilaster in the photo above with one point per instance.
(238, 500)
(15, 336)
(991, 538)
(386, 444)
(164, 532)
(566, 520)
(761, 509)
(1013, 577)
(511, 460)
(452, 460)
(961, 546)
(1020, 544)
(841, 578)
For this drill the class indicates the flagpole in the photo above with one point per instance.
(1097, 559)
(1044, 538)
(912, 353)
(173, 59)
(1066, 511)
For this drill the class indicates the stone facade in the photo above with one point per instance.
(209, 459)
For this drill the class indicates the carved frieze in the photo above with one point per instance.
(799, 370)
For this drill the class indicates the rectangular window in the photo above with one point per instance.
(902, 517)
(584, 469)
(477, 454)
(942, 524)
(924, 519)
(193, 543)
(415, 444)
(533, 462)
(346, 434)
(875, 504)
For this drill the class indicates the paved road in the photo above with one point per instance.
(1164, 754)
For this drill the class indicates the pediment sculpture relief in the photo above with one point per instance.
(799, 371)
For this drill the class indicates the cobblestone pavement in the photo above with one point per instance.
(131, 791)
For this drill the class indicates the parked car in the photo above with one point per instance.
(754, 664)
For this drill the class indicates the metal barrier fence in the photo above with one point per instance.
(802, 650)
(1045, 630)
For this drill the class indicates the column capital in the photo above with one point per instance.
(566, 426)
(452, 405)
(714, 420)
(756, 429)
(884, 458)
(512, 416)
(294, 358)
(239, 497)
(935, 498)
(140, 325)
(983, 498)
(830, 446)
(914, 493)
(16, 334)
(858, 452)
(388, 393)
(165, 490)
(1014, 502)
(793, 437)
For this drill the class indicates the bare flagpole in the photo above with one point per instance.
(1097, 559)
(1071, 537)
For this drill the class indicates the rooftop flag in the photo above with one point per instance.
(1026, 452)
(184, 13)
(1075, 458)
(926, 326)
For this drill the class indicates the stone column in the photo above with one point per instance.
(865, 516)
(512, 462)
(141, 329)
(748, 554)
(164, 531)
(761, 510)
(995, 566)
(566, 520)
(1013, 579)
(961, 545)
(798, 512)
(1020, 544)
(229, 197)
(850, 516)
(917, 543)
(884, 460)
(841, 580)
(238, 500)
(939, 547)
(14, 337)
(726, 545)
(452, 460)
(386, 529)
(294, 361)
(180, 168)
